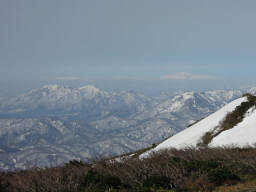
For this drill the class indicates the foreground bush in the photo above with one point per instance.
(104, 182)
(158, 182)
(166, 171)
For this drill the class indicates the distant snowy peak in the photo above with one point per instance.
(51, 97)
(198, 101)
(89, 88)
(252, 90)
(89, 91)
(175, 104)
(51, 87)
(49, 90)
(56, 99)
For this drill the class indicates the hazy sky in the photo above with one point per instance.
(173, 40)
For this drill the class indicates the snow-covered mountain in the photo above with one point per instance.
(86, 102)
(67, 123)
(242, 134)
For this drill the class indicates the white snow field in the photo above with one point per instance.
(191, 136)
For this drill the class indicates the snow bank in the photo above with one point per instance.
(243, 134)
(192, 135)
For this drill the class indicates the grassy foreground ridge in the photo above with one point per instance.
(171, 170)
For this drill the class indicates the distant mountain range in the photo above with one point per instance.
(54, 124)
(68, 103)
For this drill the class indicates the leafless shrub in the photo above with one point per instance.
(187, 168)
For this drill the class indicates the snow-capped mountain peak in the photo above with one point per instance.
(89, 91)
(197, 101)
(51, 87)
(252, 90)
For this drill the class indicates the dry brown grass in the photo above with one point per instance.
(238, 188)
(187, 169)
(41, 180)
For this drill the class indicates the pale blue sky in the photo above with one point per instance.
(132, 39)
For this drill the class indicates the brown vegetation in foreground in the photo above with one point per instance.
(171, 170)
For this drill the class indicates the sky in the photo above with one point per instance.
(203, 42)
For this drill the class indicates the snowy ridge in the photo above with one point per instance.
(201, 101)
(192, 135)
(243, 134)
(89, 91)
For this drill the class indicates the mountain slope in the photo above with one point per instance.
(241, 134)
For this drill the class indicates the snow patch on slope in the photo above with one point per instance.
(192, 135)
(243, 134)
